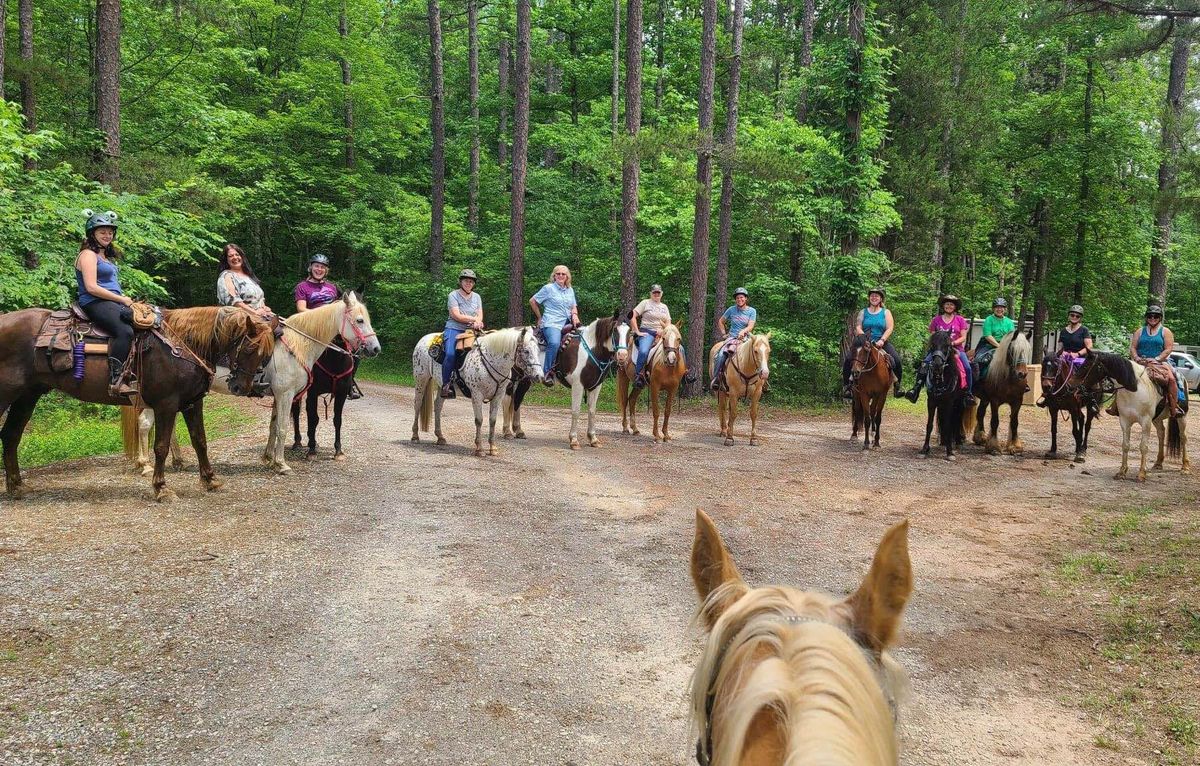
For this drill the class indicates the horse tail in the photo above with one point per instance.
(1174, 437)
(968, 419)
(427, 405)
(129, 431)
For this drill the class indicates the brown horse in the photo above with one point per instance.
(870, 380)
(1004, 383)
(745, 375)
(173, 378)
(789, 676)
(1064, 388)
(665, 368)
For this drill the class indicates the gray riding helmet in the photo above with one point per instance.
(741, 291)
(1154, 310)
(100, 220)
(467, 274)
(320, 258)
(999, 302)
(1076, 309)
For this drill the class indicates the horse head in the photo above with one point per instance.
(760, 349)
(255, 341)
(861, 346)
(671, 339)
(618, 336)
(1050, 369)
(529, 352)
(821, 654)
(941, 353)
(356, 326)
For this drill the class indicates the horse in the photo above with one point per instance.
(791, 676)
(486, 371)
(1004, 384)
(753, 354)
(1063, 388)
(333, 375)
(665, 367)
(945, 397)
(1139, 400)
(175, 370)
(586, 358)
(870, 380)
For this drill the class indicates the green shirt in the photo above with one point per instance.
(997, 327)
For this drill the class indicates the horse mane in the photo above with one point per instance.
(502, 342)
(321, 322)
(940, 340)
(210, 330)
(1014, 350)
(810, 673)
(1118, 368)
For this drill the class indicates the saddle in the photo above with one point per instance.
(465, 342)
(65, 335)
(1164, 377)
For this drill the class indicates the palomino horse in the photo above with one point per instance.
(796, 677)
(945, 397)
(1065, 389)
(486, 371)
(753, 355)
(1004, 384)
(174, 377)
(870, 380)
(1140, 401)
(665, 367)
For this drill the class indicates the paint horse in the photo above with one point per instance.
(870, 381)
(1004, 383)
(744, 377)
(1064, 389)
(487, 370)
(797, 677)
(665, 368)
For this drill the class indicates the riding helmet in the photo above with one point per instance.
(949, 297)
(741, 291)
(1076, 309)
(655, 289)
(879, 290)
(320, 258)
(467, 274)
(999, 302)
(100, 220)
(1154, 311)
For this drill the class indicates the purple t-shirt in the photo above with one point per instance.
(316, 294)
(956, 327)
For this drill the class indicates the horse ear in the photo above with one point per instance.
(769, 332)
(360, 291)
(879, 601)
(713, 568)
(346, 299)
(679, 325)
(616, 314)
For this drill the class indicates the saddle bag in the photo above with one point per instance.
(145, 316)
(437, 349)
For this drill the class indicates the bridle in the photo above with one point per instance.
(938, 362)
(614, 340)
(359, 335)
(874, 355)
(747, 379)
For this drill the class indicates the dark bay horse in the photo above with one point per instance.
(1004, 383)
(1066, 387)
(945, 397)
(870, 380)
(173, 378)
(332, 375)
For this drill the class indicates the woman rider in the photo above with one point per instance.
(99, 295)
(1075, 342)
(1150, 347)
(465, 309)
(949, 321)
(316, 291)
(554, 306)
(237, 285)
(737, 322)
(874, 321)
(649, 318)
(995, 327)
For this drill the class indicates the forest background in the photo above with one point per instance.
(1043, 151)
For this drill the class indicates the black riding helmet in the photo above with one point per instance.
(100, 220)
(999, 302)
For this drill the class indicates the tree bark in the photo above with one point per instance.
(438, 128)
(1040, 306)
(660, 60)
(804, 22)
(28, 91)
(616, 65)
(1085, 182)
(516, 236)
(1030, 266)
(1168, 168)
(696, 350)
(856, 30)
(502, 71)
(778, 60)
(3, 26)
(473, 96)
(108, 87)
(347, 100)
(945, 152)
(728, 149)
(631, 166)
(795, 266)
(553, 88)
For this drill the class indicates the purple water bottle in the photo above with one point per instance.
(77, 372)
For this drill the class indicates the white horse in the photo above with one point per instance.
(1139, 401)
(486, 370)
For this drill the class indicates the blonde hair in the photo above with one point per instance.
(564, 268)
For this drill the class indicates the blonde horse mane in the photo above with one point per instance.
(322, 322)
(503, 342)
(1022, 354)
(658, 351)
(208, 330)
(781, 651)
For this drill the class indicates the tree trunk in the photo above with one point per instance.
(502, 71)
(696, 350)
(28, 92)
(108, 87)
(777, 60)
(805, 22)
(1168, 168)
(473, 96)
(553, 88)
(616, 65)
(945, 152)
(795, 267)
(516, 235)
(856, 30)
(660, 60)
(3, 26)
(631, 166)
(1084, 183)
(1040, 307)
(347, 100)
(438, 127)
(728, 149)
(1031, 255)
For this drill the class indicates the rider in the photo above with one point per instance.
(316, 291)
(1075, 342)
(99, 295)
(949, 321)
(237, 285)
(995, 327)
(736, 323)
(466, 313)
(649, 318)
(875, 321)
(555, 307)
(1150, 347)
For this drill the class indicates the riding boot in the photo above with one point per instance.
(448, 390)
(639, 382)
(1112, 408)
(118, 385)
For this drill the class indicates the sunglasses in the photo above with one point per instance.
(1073, 314)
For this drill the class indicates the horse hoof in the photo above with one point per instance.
(1119, 475)
(1079, 458)
(637, 432)
(309, 455)
(574, 445)
(415, 438)
(1141, 477)
(267, 460)
(296, 446)
(866, 447)
(625, 431)
(950, 458)
(178, 466)
(339, 457)
(729, 442)
(478, 452)
(507, 437)
(283, 469)
(874, 447)
(1185, 469)
(441, 440)
(1157, 467)
(1051, 455)
(519, 435)
(594, 442)
(164, 495)
(493, 452)
(213, 485)
(147, 470)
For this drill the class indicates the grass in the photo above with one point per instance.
(1139, 564)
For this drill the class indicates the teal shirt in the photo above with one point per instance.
(874, 325)
(1150, 346)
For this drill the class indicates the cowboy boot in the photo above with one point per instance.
(119, 386)
(1112, 408)
(448, 390)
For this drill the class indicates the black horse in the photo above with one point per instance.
(1066, 387)
(945, 400)
(332, 375)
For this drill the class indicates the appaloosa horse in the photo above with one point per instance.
(1004, 383)
(665, 368)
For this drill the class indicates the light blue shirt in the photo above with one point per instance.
(738, 319)
(556, 303)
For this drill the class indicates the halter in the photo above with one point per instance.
(359, 335)
(875, 354)
(704, 741)
(604, 367)
(746, 379)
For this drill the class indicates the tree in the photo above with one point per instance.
(631, 166)
(1168, 169)
(28, 92)
(473, 97)
(520, 159)
(502, 70)
(728, 149)
(347, 99)
(616, 66)
(437, 123)
(804, 57)
(108, 87)
(3, 28)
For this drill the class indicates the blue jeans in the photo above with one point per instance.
(644, 342)
(449, 338)
(553, 336)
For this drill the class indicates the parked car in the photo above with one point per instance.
(1188, 367)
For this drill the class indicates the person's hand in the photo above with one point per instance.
(264, 312)
(741, 334)
(879, 344)
(477, 324)
(126, 300)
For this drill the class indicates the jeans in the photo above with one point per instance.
(107, 314)
(644, 343)
(848, 363)
(553, 336)
(449, 338)
(719, 362)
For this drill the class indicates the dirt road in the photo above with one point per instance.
(417, 605)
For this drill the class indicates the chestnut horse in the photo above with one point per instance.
(1004, 383)
(745, 375)
(665, 368)
(790, 676)
(870, 380)
(1065, 389)
(172, 380)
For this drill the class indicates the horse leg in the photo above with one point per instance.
(593, 398)
(721, 395)
(666, 435)
(176, 456)
(993, 445)
(623, 399)
(631, 401)
(948, 424)
(437, 414)
(477, 406)
(1015, 447)
(10, 435)
(164, 431)
(732, 403)
(929, 411)
(654, 388)
(519, 391)
(493, 413)
(283, 406)
(193, 416)
(418, 402)
(313, 414)
(977, 437)
(1161, 430)
(296, 444)
(1053, 451)
(576, 401)
(142, 421)
(268, 455)
(878, 407)
(339, 402)
(1144, 449)
(1184, 465)
(1085, 431)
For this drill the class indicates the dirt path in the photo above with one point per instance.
(417, 605)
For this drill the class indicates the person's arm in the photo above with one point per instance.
(1168, 345)
(537, 310)
(1087, 345)
(887, 331)
(633, 325)
(456, 313)
(301, 305)
(721, 325)
(87, 266)
(574, 314)
(230, 290)
(858, 328)
(749, 328)
(961, 339)
(1133, 339)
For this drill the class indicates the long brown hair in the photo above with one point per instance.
(110, 253)
(249, 271)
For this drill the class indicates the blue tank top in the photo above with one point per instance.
(1150, 345)
(874, 325)
(106, 277)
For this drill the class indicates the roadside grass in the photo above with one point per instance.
(1138, 569)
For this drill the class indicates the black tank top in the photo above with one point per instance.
(1073, 341)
